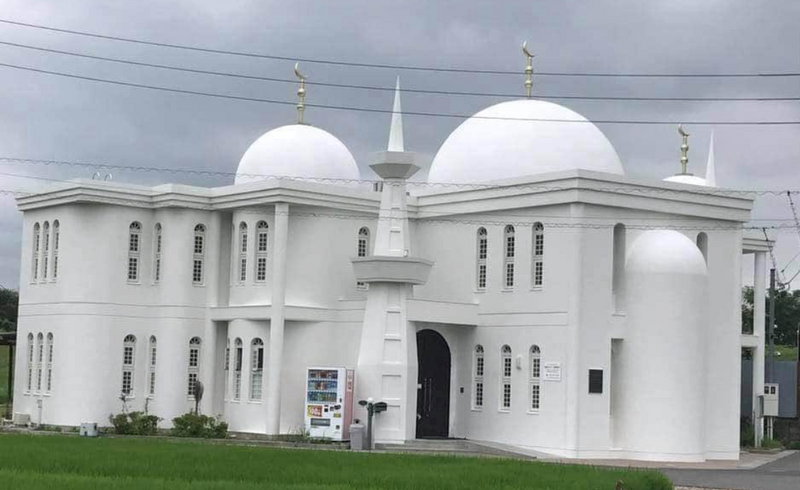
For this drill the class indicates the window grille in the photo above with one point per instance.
(262, 243)
(39, 359)
(157, 255)
(151, 389)
(29, 385)
(510, 251)
(237, 370)
(505, 378)
(477, 380)
(483, 251)
(538, 256)
(56, 240)
(198, 260)
(128, 359)
(134, 242)
(36, 249)
(362, 250)
(227, 367)
(242, 252)
(535, 377)
(256, 368)
(194, 365)
(48, 385)
(45, 250)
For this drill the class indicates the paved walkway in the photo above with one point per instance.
(780, 474)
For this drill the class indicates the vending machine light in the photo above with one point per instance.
(329, 402)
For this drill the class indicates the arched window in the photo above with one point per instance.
(256, 368)
(508, 262)
(702, 244)
(227, 368)
(157, 254)
(505, 378)
(35, 255)
(199, 254)
(477, 378)
(535, 377)
(537, 274)
(29, 385)
(618, 270)
(362, 250)
(134, 249)
(48, 384)
(237, 370)
(45, 250)
(193, 368)
(39, 360)
(151, 366)
(242, 252)
(56, 240)
(262, 242)
(128, 359)
(483, 250)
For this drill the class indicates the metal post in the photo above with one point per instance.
(370, 412)
(771, 329)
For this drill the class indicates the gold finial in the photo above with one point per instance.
(301, 93)
(528, 69)
(684, 148)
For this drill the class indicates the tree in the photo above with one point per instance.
(9, 305)
(787, 314)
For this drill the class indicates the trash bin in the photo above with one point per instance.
(358, 436)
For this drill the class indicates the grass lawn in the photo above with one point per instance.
(63, 462)
(785, 353)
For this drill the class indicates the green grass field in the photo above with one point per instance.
(34, 462)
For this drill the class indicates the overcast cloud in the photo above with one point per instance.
(46, 117)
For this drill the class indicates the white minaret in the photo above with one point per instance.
(387, 356)
(711, 172)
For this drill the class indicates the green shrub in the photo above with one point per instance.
(134, 423)
(768, 443)
(747, 435)
(196, 425)
(794, 445)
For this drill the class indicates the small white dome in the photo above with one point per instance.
(687, 179)
(665, 252)
(499, 143)
(297, 150)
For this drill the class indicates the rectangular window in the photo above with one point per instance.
(133, 269)
(197, 271)
(506, 403)
(477, 400)
(535, 397)
(482, 276)
(237, 375)
(192, 381)
(133, 246)
(152, 379)
(538, 273)
(261, 269)
(479, 394)
(510, 275)
(257, 375)
(30, 364)
(262, 242)
(242, 269)
(127, 382)
(198, 244)
(507, 367)
(596, 381)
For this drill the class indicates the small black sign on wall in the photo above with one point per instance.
(595, 381)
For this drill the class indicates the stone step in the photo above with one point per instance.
(448, 446)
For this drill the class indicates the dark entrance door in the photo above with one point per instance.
(433, 389)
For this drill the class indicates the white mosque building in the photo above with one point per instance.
(548, 302)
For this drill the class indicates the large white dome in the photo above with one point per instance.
(297, 150)
(499, 143)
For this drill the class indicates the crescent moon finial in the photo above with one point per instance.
(528, 69)
(301, 93)
(684, 148)
(297, 71)
(525, 50)
(682, 131)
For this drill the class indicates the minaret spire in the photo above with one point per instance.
(396, 129)
(301, 93)
(528, 69)
(711, 172)
(684, 149)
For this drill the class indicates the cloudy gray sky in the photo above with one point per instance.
(45, 117)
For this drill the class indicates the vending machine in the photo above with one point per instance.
(329, 402)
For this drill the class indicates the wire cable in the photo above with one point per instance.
(392, 89)
(389, 111)
(389, 66)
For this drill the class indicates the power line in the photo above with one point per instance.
(642, 190)
(392, 89)
(388, 111)
(393, 67)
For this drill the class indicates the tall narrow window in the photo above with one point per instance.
(237, 370)
(538, 256)
(618, 269)
(256, 368)
(134, 248)
(262, 242)
(157, 254)
(194, 365)
(56, 240)
(128, 359)
(29, 385)
(151, 368)
(48, 382)
(505, 378)
(45, 250)
(242, 252)
(199, 254)
(535, 377)
(362, 250)
(477, 379)
(35, 255)
(510, 251)
(483, 251)
(227, 368)
(39, 359)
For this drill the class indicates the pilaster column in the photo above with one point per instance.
(759, 302)
(280, 245)
(208, 349)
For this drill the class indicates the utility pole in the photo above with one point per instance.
(771, 329)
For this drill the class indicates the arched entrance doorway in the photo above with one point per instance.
(433, 389)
